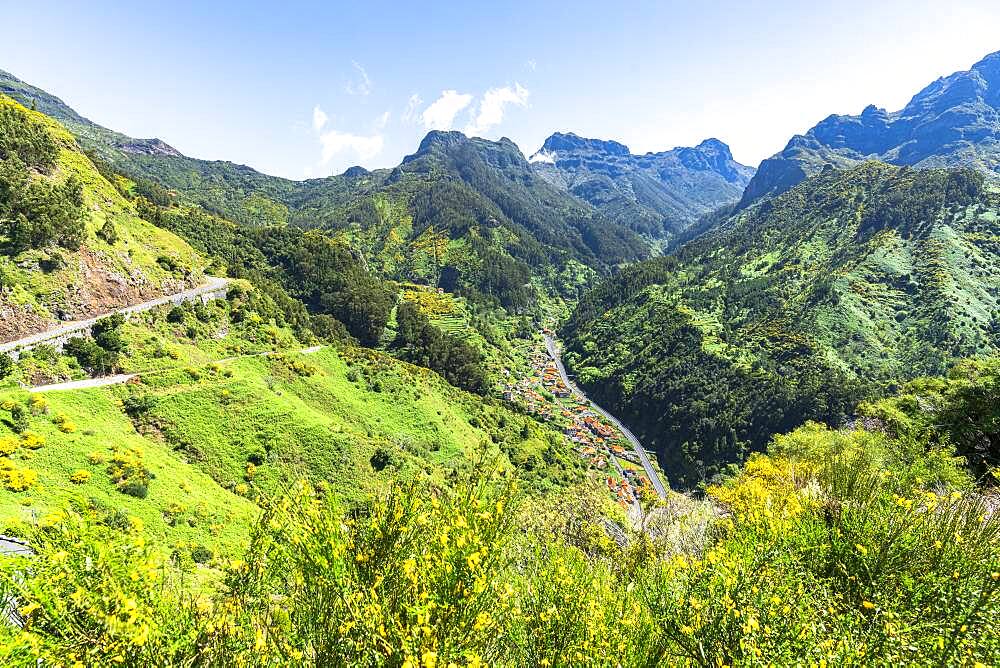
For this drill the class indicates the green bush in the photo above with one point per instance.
(7, 366)
(384, 457)
(108, 232)
(129, 474)
(201, 554)
(20, 418)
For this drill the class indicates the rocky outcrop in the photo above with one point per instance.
(150, 147)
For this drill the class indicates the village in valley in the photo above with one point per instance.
(529, 378)
(543, 393)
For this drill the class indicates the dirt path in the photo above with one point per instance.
(126, 377)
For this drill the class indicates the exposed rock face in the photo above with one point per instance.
(953, 121)
(356, 172)
(150, 147)
(657, 194)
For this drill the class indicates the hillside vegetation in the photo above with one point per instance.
(211, 425)
(316, 468)
(464, 213)
(70, 245)
(794, 310)
(836, 547)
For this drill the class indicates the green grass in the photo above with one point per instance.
(219, 515)
(209, 405)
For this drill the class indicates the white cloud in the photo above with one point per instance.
(531, 65)
(440, 115)
(349, 146)
(363, 147)
(363, 85)
(319, 118)
(410, 113)
(491, 107)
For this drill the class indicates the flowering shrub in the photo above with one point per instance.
(79, 477)
(129, 473)
(821, 556)
(768, 491)
(32, 441)
(64, 424)
(93, 596)
(38, 404)
(16, 478)
(406, 582)
(8, 445)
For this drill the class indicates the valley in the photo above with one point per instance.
(652, 476)
(573, 407)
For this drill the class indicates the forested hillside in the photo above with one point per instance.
(71, 245)
(467, 214)
(794, 310)
(358, 446)
(227, 410)
(859, 546)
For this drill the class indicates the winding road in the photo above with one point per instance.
(647, 465)
(213, 287)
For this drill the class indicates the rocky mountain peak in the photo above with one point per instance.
(572, 142)
(713, 144)
(441, 138)
(954, 120)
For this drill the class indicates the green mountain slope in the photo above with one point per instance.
(469, 214)
(471, 205)
(218, 426)
(221, 187)
(70, 245)
(806, 546)
(656, 194)
(954, 121)
(791, 310)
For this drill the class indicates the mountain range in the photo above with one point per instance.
(954, 121)
(473, 198)
(907, 254)
(864, 254)
(356, 443)
(796, 308)
(655, 194)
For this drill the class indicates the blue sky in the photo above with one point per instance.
(307, 89)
